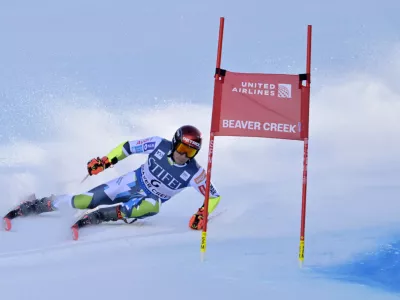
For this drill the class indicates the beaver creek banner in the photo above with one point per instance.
(260, 105)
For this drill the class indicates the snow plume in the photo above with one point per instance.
(353, 162)
(353, 191)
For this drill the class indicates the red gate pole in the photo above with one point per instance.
(305, 158)
(203, 245)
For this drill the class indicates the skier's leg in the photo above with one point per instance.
(91, 199)
(117, 190)
(137, 208)
(32, 207)
(140, 208)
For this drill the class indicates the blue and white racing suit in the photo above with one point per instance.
(142, 191)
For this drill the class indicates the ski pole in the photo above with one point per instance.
(85, 178)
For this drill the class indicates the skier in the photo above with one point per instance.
(170, 168)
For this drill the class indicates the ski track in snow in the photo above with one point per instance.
(159, 257)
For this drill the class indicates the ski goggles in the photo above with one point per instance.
(185, 149)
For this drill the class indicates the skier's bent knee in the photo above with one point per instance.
(142, 208)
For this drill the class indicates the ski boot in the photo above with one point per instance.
(27, 208)
(105, 214)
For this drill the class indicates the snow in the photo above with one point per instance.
(159, 258)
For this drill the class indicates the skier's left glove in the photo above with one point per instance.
(197, 220)
(97, 165)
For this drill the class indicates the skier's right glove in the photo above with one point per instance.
(97, 165)
(197, 220)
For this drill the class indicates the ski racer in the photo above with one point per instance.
(170, 168)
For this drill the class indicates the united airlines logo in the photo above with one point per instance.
(284, 90)
(280, 90)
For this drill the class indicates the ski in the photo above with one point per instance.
(7, 224)
(75, 232)
(12, 214)
(82, 223)
(15, 212)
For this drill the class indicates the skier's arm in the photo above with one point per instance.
(126, 148)
(123, 150)
(199, 183)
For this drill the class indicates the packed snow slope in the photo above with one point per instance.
(352, 222)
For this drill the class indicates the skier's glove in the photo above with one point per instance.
(97, 165)
(197, 220)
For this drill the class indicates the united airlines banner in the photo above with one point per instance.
(260, 105)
